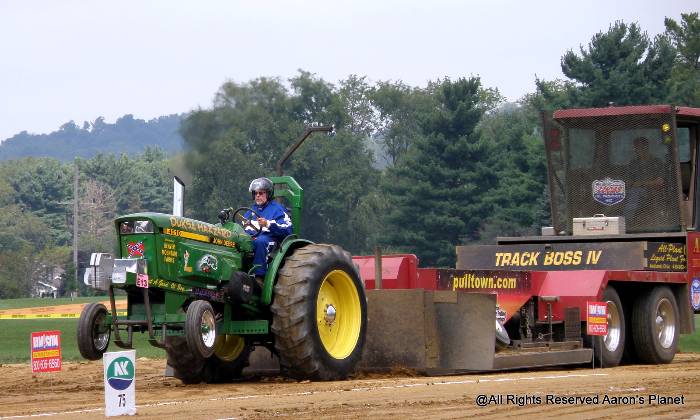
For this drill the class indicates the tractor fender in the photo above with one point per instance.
(288, 245)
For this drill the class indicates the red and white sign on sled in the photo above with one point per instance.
(597, 319)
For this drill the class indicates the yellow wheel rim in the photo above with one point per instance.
(229, 347)
(338, 314)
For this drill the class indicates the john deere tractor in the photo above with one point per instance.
(190, 288)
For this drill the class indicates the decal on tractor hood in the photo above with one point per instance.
(194, 225)
(186, 267)
(166, 284)
(135, 249)
(169, 251)
(608, 191)
(208, 263)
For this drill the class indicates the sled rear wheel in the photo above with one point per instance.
(656, 326)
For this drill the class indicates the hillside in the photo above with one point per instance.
(127, 135)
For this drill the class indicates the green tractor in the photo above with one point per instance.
(190, 287)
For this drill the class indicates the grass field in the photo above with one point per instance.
(16, 333)
(14, 345)
(691, 343)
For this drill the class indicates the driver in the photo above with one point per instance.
(274, 223)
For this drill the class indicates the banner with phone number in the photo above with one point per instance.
(597, 319)
(46, 351)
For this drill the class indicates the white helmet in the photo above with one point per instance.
(261, 184)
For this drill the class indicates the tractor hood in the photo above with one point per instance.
(188, 228)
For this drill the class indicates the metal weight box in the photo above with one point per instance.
(599, 224)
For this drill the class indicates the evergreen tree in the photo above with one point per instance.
(519, 159)
(399, 107)
(685, 78)
(435, 193)
(620, 66)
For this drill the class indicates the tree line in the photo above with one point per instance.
(461, 167)
(36, 212)
(411, 169)
(126, 135)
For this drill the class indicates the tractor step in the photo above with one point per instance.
(519, 346)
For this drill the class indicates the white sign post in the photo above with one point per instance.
(120, 387)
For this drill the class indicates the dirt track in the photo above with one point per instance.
(76, 392)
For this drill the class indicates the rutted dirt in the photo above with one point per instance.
(76, 393)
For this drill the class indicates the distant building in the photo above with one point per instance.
(48, 281)
(43, 290)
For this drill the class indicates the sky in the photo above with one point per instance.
(79, 60)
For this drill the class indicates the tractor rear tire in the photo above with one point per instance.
(228, 361)
(656, 326)
(200, 328)
(187, 367)
(93, 332)
(319, 313)
(612, 344)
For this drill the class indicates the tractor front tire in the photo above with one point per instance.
(228, 361)
(187, 367)
(656, 327)
(319, 313)
(200, 328)
(93, 331)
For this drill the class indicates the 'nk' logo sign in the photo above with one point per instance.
(120, 373)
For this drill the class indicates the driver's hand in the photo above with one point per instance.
(262, 221)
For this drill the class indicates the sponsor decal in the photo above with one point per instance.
(166, 284)
(505, 281)
(169, 252)
(120, 373)
(208, 263)
(597, 319)
(501, 315)
(135, 249)
(609, 191)
(46, 351)
(665, 256)
(215, 295)
(695, 293)
(489, 281)
(223, 242)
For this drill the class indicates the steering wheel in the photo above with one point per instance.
(239, 216)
